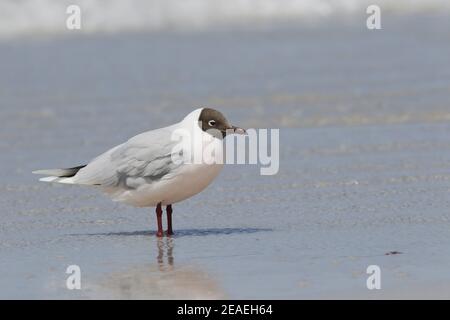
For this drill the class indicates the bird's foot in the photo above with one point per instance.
(169, 233)
(159, 234)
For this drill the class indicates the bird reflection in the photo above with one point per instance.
(165, 250)
(160, 280)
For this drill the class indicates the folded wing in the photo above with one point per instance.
(144, 158)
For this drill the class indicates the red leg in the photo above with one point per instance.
(159, 212)
(169, 220)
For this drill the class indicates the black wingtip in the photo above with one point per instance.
(60, 173)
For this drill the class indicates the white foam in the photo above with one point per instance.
(48, 16)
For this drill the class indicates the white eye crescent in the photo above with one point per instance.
(212, 123)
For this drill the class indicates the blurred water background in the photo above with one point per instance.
(364, 147)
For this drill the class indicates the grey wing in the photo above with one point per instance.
(145, 158)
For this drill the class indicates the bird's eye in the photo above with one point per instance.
(212, 123)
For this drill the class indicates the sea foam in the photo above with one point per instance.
(48, 16)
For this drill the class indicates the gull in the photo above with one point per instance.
(157, 167)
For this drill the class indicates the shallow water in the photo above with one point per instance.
(364, 151)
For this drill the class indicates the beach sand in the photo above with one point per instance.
(364, 120)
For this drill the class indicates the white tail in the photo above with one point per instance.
(57, 180)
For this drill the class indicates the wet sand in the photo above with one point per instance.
(364, 148)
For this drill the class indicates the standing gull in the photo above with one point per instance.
(157, 167)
